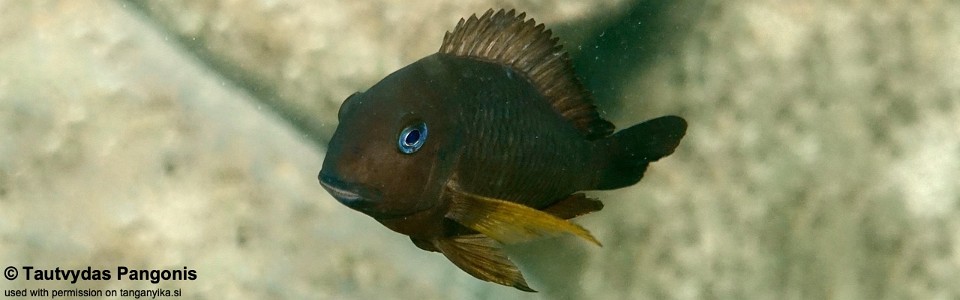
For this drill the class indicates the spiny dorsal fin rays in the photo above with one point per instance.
(509, 39)
(508, 222)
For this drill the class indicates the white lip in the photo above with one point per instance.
(340, 194)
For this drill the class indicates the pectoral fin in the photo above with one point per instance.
(481, 257)
(508, 222)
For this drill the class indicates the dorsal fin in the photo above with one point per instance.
(507, 38)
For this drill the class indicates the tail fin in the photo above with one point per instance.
(632, 149)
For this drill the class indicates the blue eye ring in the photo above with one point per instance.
(412, 137)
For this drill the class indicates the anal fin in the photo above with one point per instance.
(424, 245)
(509, 222)
(574, 206)
(481, 257)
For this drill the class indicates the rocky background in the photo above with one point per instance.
(821, 162)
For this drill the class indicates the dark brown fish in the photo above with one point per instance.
(485, 143)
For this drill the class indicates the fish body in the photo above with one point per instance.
(486, 142)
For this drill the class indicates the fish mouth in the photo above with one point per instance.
(345, 196)
(345, 192)
(355, 196)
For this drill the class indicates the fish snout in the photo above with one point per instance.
(352, 195)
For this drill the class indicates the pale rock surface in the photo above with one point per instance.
(821, 160)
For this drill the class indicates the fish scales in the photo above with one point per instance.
(533, 168)
(490, 141)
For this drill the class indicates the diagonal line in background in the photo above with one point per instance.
(312, 129)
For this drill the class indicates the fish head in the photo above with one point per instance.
(389, 156)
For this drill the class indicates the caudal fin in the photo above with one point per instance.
(632, 149)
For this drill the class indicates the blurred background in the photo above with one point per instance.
(821, 162)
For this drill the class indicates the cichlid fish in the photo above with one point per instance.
(487, 142)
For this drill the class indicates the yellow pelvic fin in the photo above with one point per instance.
(508, 222)
(481, 257)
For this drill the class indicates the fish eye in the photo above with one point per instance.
(412, 137)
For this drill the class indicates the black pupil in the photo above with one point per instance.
(412, 137)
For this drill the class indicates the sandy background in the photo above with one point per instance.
(821, 162)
